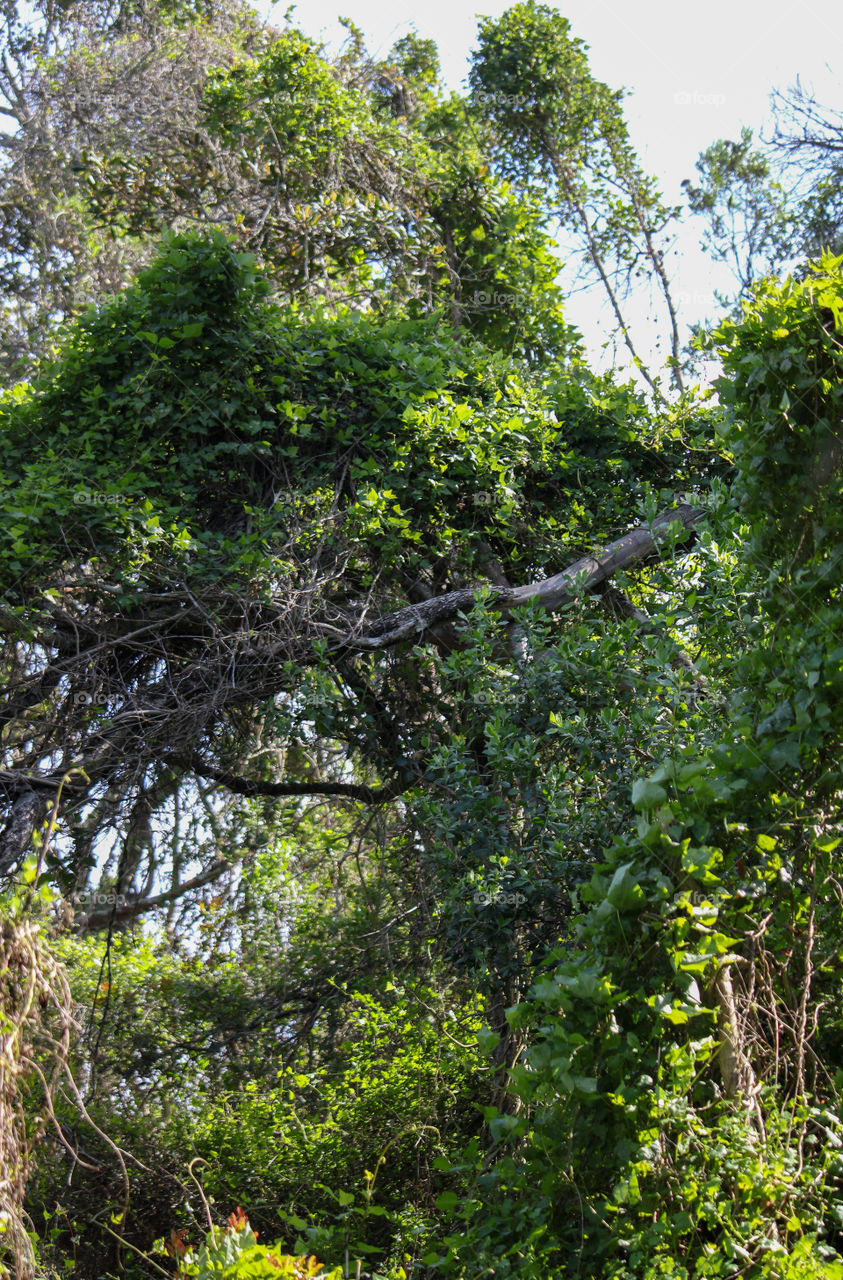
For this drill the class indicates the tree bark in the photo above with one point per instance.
(27, 813)
(584, 575)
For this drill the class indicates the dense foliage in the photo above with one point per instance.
(421, 753)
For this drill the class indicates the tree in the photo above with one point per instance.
(773, 207)
(810, 138)
(106, 148)
(555, 124)
(136, 120)
(160, 118)
(423, 750)
(212, 539)
(268, 603)
(752, 223)
(678, 1114)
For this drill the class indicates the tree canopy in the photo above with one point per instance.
(422, 752)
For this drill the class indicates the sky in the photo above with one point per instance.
(693, 74)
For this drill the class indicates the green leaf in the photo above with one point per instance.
(625, 893)
(487, 1040)
(647, 794)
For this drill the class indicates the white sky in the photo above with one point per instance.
(695, 73)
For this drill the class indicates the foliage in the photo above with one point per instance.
(267, 485)
(350, 178)
(292, 1081)
(560, 128)
(807, 141)
(270, 450)
(773, 205)
(35, 1035)
(431, 749)
(235, 1254)
(677, 1113)
(752, 224)
(106, 151)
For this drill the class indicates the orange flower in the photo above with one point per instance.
(176, 1246)
(238, 1221)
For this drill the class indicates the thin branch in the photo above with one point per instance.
(128, 910)
(256, 787)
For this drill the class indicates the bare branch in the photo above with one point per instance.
(128, 910)
(584, 575)
(256, 787)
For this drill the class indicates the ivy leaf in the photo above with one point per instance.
(647, 794)
(625, 893)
